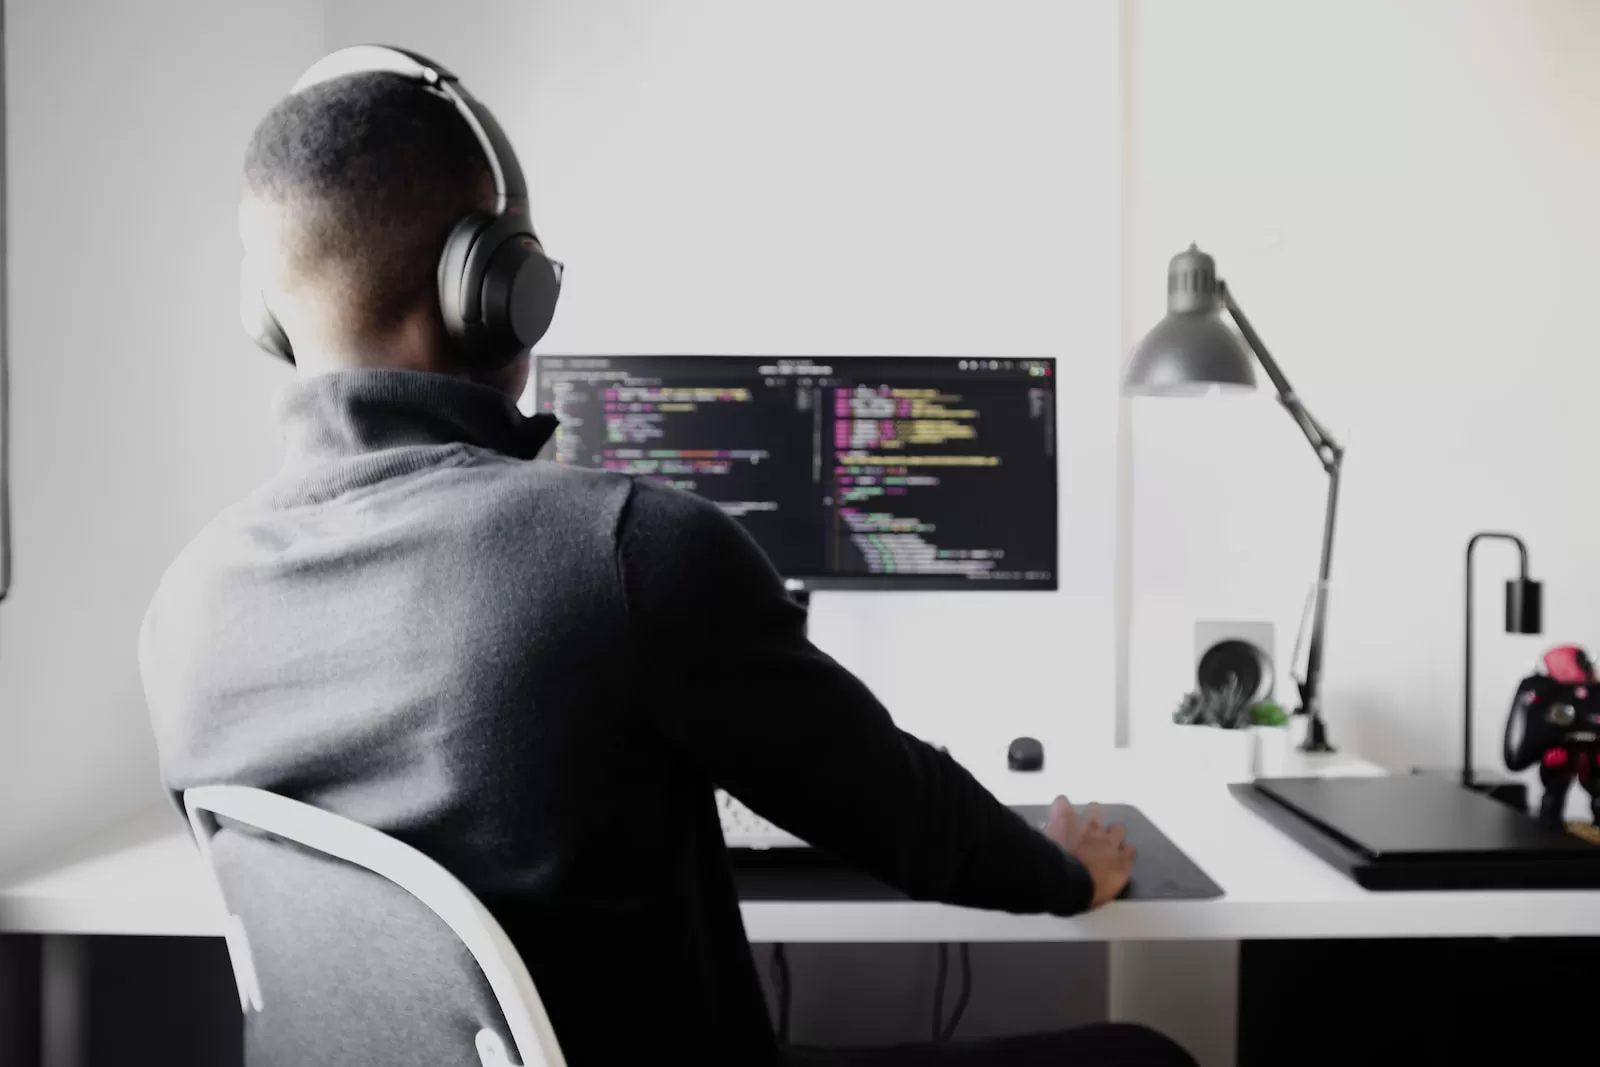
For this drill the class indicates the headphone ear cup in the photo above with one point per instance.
(520, 292)
(257, 319)
(461, 322)
(497, 291)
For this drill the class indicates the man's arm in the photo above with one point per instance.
(799, 739)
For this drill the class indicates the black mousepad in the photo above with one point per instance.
(1162, 871)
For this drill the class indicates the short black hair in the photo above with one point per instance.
(371, 171)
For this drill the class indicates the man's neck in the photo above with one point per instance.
(416, 342)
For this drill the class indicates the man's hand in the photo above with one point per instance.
(1102, 849)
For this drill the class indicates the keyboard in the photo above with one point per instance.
(743, 828)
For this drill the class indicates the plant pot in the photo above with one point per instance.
(1273, 747)
(1210, 752)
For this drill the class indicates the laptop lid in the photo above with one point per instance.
(1420, 817)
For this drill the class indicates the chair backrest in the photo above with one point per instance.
(349, 946)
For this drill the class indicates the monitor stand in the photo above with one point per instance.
(802, 597)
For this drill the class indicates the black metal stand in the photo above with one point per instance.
(1523, 610)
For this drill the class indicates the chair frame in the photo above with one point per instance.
(436, 888)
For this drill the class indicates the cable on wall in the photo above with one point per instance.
(781, 988)
(944, 1030)
(5, 341)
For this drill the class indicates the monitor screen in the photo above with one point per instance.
(858, 472)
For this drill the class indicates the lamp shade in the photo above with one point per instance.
(1524, 606)
(1193, 350)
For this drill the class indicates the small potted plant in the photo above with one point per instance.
(1228, 733)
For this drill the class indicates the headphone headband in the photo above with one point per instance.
(511, 191)
(497, 288)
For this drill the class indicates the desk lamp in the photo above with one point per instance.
(1192, 352)
(1524, 604)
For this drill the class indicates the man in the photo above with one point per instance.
(535, 674)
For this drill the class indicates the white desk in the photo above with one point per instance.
(146, 878)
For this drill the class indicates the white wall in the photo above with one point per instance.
(139, 410)
(1400, 194)
(836, 177)
(1403, 197)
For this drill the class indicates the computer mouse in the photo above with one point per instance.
(1025, 754)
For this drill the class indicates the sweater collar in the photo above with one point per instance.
(350, 414)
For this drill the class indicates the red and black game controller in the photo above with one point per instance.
(1555, 722)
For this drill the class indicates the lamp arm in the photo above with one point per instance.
(1329, 452)
(1331, 455)
(1311, 685)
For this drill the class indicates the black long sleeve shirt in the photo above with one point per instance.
(537, 675)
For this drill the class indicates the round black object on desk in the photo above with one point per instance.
(1025, 754)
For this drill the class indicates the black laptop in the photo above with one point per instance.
(1422, 832)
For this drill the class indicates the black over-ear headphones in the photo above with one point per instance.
(497, 290)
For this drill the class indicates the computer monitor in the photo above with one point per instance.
(859, 472)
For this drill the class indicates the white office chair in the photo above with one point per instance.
(359, 937)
